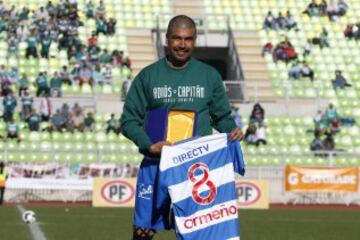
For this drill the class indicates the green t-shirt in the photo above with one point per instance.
(197, 87)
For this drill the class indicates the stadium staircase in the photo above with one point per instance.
(188, 7)
(141, 49)
(257, 84)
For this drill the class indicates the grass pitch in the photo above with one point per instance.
(86, 223)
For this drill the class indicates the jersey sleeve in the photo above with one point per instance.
(237, 156)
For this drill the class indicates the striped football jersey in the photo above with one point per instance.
(199, 177)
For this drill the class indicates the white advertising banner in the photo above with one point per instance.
(53, 184)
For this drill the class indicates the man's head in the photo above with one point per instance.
(180, 38)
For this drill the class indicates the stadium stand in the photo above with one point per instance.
(288, 137)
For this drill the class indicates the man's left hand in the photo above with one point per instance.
(236, 134)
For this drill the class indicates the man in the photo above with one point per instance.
(3, 176)
(175, 82)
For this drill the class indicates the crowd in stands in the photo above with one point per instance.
(302, 69)
(326, 125)
(283, 51)
(280, 22)
(332, 9)
(64, 119)
(58, 24)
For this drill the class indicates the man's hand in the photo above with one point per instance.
(236, 134)
(156, 147)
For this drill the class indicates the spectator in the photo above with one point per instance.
(324, 38)
(290, 22)
(236, 116)
(267, 49)
(58, 122)
(97, 75)
(13, 75)
(260, 135)
(13, 47)
(24, 15)
(100, 10)
(105, 57)
(65, 76)
(357, 32)
(340, 81)
(125, 87)
(23, 84)
(332, 11)
(110, 26)
(349, 31)
(31, 46)
(22, 33)
(257, 114)
(269, 21)
(306, 71)
(333, 118)
(112, 124)
(342, 8)
(76, 108)
(312, 9)
(307, 48)
(85, 75)
(90, 10)
(127, 63)
(100, 25)
(77, 119)
(94, 55)
(55, 85)
(89, 122)
(45, 108)
(9, 105)
(42, 85)
(45, 46)
(92, 41)
(329, 143)
(65, 112)
(294, 71)
(280, 22)
(107, 75)
(323, 8)
(320, 123)
(34, 121)
(12, 131)
(27, 104)
(250, 134)
(51, 9)
(317, 145)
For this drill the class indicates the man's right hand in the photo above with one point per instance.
(157, 147)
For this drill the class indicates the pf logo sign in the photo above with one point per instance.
(117, 192)
(248, 193)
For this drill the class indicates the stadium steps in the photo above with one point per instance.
(189, 7)
(257, 84)
(141, 49)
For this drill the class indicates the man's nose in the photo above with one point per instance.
(182, 43)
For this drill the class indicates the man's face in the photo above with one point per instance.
(181, 43)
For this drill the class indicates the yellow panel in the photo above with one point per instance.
(180, 125)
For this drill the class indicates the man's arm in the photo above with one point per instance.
(220, 111)
(133, 116)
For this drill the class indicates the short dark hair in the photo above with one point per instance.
(180, 21)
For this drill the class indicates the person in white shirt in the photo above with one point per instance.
(260, 135)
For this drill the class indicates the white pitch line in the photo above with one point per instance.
(34, 227)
